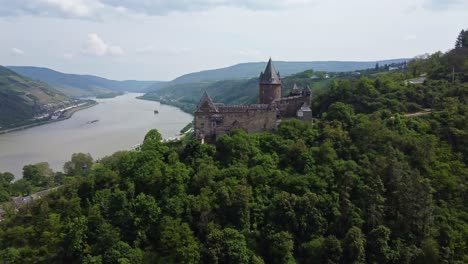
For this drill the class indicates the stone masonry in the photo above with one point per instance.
(212, 120)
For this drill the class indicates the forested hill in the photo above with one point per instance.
(366, 183)
(245, 91)
(22, 98)
(81, 85)
(253, 69)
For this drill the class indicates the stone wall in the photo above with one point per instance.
(288, 106)
(211, 126)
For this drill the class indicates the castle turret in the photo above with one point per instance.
(206, 104)
(269, 85)
(295, 91)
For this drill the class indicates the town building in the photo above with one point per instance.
(212, 120)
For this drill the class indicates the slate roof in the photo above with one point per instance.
(295, 91)
(270, 75)
(19, 201)
(206, 104)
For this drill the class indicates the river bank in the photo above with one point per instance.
(66, 115)
(123, 122)
(186, 107)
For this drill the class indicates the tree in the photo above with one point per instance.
(39, 174)
(31, 173)
(322, 250)
(280, 247)
(6, 178)
(462, 40)
(147, 215)
(80, 164)
(152, 142)
(226, 246)
(354, 246)
(332, 250)
(75, 238)
(177, 241)
(23, 187)
(377, 245)
(430, 252)
(5, 186)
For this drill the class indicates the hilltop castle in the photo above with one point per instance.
(213, 120)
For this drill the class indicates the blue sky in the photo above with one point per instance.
(162, 39)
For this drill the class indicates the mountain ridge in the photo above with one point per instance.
(252, 69)
(22, 98)
(81, 84)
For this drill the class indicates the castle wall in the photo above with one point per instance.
(288, 106)
(213, 125)
(212, 120)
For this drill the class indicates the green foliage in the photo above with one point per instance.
(365, 184)
(79, 164)
(462, 39)
(21, 98)
(354, 246)
(38, 174)
(178, 243)
(226, 246)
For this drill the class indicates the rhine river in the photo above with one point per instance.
(123, 123)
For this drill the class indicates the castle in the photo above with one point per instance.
(212, 120)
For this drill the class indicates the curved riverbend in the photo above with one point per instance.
(122, 123)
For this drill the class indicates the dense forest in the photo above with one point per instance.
(365, 183)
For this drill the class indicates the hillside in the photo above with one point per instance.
(253, 69)
(81, 85)
(366, 183)
(245, 91)
(21, 98)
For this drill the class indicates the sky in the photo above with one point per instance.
(163, 39)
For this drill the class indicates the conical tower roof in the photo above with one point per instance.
(270, 75)
(206, 104)
(295, 88)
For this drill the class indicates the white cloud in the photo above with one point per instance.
(95, 9)
(84, 9)
(96, 46)
(75, 8)
(17, 52)
(163, 7)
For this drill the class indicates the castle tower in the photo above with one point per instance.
(269, 85)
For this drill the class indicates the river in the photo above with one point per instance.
(123, 123)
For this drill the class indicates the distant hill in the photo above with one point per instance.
(81, 85)
(245, 91)
(21, 98)
(253, 69)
